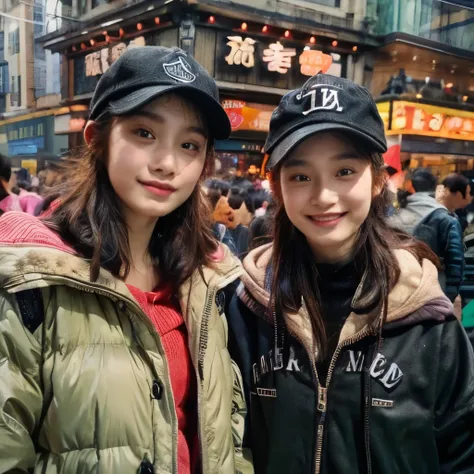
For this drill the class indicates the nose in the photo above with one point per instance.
(323, 196)
(164, 162)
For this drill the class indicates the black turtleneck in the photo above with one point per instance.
(337, 286)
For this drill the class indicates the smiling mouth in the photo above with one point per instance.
(158, 189)
(327, 219)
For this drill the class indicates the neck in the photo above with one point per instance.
(446, 202)
(338, 255)
(142, 274)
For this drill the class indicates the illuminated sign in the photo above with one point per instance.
(410, 118)
(77, 124)
(278, 58)
(98, 62)
(248, 116)
(313, 61)
(241, 52)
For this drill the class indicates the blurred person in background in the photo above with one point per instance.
(431, 222)
(113, 348)
(238, 228)
(457, 192)
(261, 228)
(222, 213)
(9, 201)
(467, 287)
(30, 200)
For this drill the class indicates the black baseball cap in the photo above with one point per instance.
(144, 73)
(324, 103)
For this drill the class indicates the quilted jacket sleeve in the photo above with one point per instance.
(240, 405)
(453, 257)
(20, 394)
(454, 415)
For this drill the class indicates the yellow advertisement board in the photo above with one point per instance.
(411, 118)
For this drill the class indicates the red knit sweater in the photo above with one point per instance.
(165, 314)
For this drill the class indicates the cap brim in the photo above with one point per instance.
(216, 117)
(295, 138)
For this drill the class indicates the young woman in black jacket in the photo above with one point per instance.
(351, 357)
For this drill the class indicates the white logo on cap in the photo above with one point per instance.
(323, 97)
(180, 70)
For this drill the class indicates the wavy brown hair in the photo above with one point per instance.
(295, 275)
(88, 217)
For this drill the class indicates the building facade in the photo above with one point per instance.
(423, 80)
(256, 51)
(30, 92)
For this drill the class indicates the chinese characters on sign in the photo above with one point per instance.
(427, 120)
(312, 62)
(276, 56)
(97, 63)
(241, 52)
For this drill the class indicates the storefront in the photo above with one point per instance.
(253, 65)
(440, 138)
(31, 139)
(253, 71)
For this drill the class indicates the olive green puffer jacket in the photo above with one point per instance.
(88, 389)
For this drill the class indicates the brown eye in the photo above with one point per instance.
(142, 133)
(190, 146)
(299, 178)
(345, 172)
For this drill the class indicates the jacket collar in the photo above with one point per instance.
(33, 256)
(416, 288)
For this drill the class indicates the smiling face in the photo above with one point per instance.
(156, 157)
(327, 190)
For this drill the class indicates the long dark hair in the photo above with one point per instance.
(5, 174)
(295, 276)
(88, 217)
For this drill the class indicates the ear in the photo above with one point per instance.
(89, 131)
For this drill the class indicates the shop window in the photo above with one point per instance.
(4, 88)
(15, 91)
(66, 8)
(14, 42)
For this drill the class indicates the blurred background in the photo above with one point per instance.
(415, 56)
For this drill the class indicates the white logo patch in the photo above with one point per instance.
(389, 375)
(323, 97)
(180, 70)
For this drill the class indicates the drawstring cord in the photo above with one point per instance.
(371, 355)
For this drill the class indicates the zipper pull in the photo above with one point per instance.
(322, 398)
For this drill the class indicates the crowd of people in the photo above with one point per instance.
(22, 192)
(321, 338)
(442, 216)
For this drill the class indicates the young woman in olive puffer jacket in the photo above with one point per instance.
(113, 348)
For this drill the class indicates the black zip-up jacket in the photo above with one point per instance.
(403, 404)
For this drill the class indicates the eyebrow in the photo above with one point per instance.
(158, 118)
(346, 155)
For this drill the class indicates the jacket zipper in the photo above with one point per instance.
(322, 396)
(323, 391)
(203, 341)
